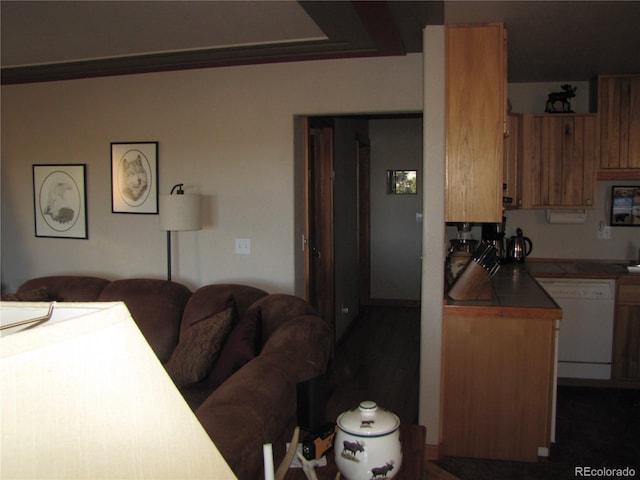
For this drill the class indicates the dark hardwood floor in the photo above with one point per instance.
(378, 360)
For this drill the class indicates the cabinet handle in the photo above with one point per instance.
(589, 201)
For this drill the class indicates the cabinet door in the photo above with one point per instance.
(626, 334)
(475, 117)
(559, 160)
(512, 166)
(619, 110)
(497, 375)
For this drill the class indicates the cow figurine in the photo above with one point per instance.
(561, 98)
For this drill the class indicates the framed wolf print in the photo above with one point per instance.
(60, 200)
(134, 177)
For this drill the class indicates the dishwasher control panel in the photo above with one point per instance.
(578, 290)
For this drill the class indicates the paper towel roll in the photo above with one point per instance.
(566, 216)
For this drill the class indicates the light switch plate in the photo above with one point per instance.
(604, 233)
(243, 246)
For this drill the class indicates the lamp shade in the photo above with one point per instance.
(180, 212)
(83, 396)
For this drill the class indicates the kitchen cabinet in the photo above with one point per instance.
(512, 165)
(498, 378)
(559, 160)
(619, 122)
(626, 333)
(498, 381)
(475, 118)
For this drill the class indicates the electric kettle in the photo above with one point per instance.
(518, 247)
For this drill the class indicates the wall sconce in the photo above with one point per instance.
(179, 212)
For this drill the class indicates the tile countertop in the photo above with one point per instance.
(515, 294)
(578, 269)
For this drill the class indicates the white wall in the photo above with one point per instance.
(396, 237)
(433, 232)
(226, 133)
(532, 97)
(578, 241)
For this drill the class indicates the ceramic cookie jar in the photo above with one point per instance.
(367, 444)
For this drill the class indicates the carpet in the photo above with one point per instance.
(597, 436)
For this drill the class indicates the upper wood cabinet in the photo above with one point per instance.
(476, 86)
(619, 115)
(512, 166)
(559, 160)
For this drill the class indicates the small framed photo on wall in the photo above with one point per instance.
(60, 201)
(402, 182)
(134, 177)
(625, 206)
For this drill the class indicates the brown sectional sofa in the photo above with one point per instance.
(276, 341)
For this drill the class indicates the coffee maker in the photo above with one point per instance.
(493, 233)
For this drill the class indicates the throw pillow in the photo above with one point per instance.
(199, 348)
(238, 349)
(36, 295)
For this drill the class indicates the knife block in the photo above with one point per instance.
(474, 283)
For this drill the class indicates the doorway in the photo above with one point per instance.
(345, 203)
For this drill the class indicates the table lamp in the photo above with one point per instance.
(82, 395)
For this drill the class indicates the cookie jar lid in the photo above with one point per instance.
(368, 420)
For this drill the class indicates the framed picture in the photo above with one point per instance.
(625, 206)
(60, 200)
(134, 177)
(402, 182)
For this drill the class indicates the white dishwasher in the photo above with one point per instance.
(586, 330)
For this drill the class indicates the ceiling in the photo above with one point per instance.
(547, 40)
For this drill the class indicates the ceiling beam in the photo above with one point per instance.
(378, 21)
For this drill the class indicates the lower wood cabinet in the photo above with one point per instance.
(498, 384)
(626, 333)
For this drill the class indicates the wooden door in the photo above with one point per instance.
(363, 165)
(320, 251)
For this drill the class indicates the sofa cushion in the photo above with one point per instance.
(67, 288)
(155, 305)
(199, 348)
(213, 298)
(255, 404)
(240, 347)
(277, 309)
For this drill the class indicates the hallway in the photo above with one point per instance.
(378, 360)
